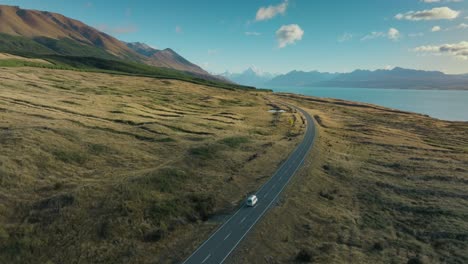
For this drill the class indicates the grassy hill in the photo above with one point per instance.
(112, 168)
(57, 33)
(117, 169)
(9, 43)
(48, 46)
(115, 66)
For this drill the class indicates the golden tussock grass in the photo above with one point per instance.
(381, 186)
(98, 168)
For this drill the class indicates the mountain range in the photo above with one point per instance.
(42, 32)
(250, 77)
(301, 78)
(395, 78)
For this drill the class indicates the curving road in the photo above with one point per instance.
(226, 238)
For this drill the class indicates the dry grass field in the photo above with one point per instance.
(6, 56)
(99, 168)
(380, 186)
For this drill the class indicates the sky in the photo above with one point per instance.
(278, 36)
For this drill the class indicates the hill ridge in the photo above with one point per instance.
(26, 30)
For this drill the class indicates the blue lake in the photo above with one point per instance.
(441, 104)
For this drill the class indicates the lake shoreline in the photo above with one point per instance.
(447, 105)
(383, 88)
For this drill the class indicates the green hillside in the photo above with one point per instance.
(115, 66)
(43, 45)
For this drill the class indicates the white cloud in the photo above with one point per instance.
(414, 35)
(458, 50)
(438, 1)
(427, 49)
(435, 28)
(345, 37)
(265, 13)
(289, 34)
(178, 29)
(252, 33)
(373, 35)
(461, 26)
(432, 14)
(392, 34)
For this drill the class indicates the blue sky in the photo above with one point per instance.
(278, 36)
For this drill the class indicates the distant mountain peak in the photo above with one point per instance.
(170, 50)
(141, 45)
(252, 76)
(300, 78)
(258, 72)
(142, 48)
(250, 71)
(166, 58)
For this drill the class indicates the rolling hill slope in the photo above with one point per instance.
(43, 27)
(119, 67)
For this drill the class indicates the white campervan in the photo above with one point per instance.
(252, 200)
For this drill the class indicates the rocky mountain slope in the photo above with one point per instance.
(167, 58)
(42, 32)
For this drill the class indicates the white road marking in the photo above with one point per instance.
(243, 219)
(207, 257)
(301, 149)
(227, 236)
(262, 213)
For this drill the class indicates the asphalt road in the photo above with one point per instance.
(226, 238)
